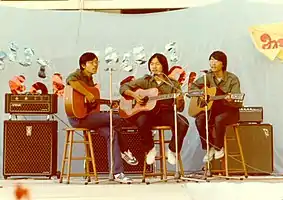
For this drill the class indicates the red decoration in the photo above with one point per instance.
(21, 192)
(177, 73)
(269, 43)
(58, 84)
(16, 84)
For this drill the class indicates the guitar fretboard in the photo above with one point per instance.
(162, 97)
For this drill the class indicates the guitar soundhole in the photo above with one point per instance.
(134, 102)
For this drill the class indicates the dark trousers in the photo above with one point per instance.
(144, 121)
(218, 121)
(101, 123)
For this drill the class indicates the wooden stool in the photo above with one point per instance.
(89, 155)
(162, 156)
(235, 154)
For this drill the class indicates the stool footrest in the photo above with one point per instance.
(79, 158)
(78, 174)
(79, 142)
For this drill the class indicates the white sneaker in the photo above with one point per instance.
(171, 157)
(122, 178)
(219, 154)
(129, 158)
(150, 157)
(209, 155)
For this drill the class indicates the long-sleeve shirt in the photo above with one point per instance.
(229, 84)
(148, 82)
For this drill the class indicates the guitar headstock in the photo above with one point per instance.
(238, 97)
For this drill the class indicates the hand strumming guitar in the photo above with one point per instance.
(228, 97)
(90, 98)
(140, 99)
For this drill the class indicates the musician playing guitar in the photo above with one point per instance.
(100, 121)
(223, 112)
(163, 113)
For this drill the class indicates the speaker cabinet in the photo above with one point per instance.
(100, 152)
(30, 148)
(257, 144)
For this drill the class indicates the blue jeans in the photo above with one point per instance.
(145, 121)
(101, 123)
(219, 121)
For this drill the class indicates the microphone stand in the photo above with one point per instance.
(111, 175)
(177, 175)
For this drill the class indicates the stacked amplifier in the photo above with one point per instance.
(30, 146)
(257, 144)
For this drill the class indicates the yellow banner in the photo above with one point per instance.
(268, 39)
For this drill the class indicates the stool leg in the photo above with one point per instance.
(87, 172)
(64, 156)
(181, 165)
(144, 169)
(226, 156)
(92, 155)
(71, 135)
(241, 151)
(163, 155)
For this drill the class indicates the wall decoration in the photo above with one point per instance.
(126, 63)
(16, 84)
(28, 57)
(38, 88)
(139, 55)
(191, 79)
(171, 50)
(268, 39)
(41, 72)
(177, 73)
(13, 48)
(111, 56)
(58, 84)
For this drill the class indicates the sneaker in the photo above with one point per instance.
(122, 178)
(150, 157)
(219, 154)
(171, 157)
(209, 155)
(129, 158)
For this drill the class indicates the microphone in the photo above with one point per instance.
(156, 73)
(205, 71)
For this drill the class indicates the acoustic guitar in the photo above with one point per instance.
(128, 106)
(77, 106)
(196, 105)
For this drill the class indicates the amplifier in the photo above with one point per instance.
(30, 148)
(135, 146)
(257, 145)
(251, 115)
(31, 103)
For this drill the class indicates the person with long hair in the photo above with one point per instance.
(163, 113)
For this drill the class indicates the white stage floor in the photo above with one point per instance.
(214, 190)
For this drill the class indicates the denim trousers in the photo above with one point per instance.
(101, 123)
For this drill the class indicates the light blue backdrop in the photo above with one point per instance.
(62, 36)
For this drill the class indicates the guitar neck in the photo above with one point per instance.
(162, 97)
(218, 97)
(104, 101)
